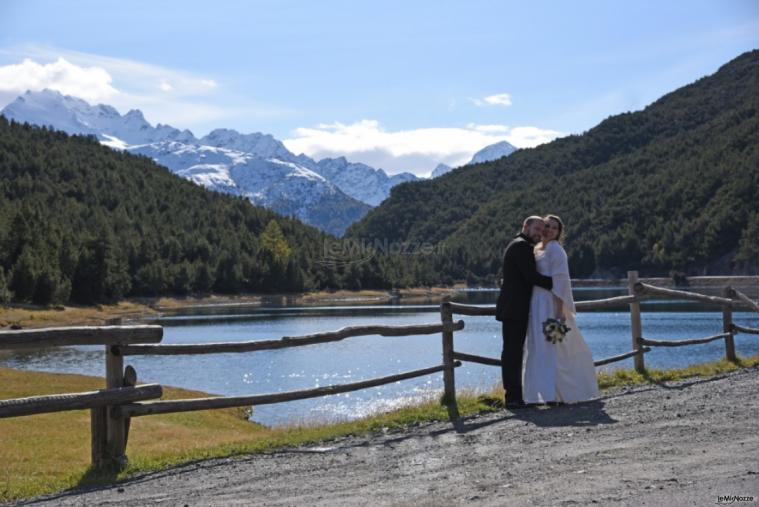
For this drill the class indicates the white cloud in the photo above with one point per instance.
(166, 95)
(499, 99)
(493, 129)
(417, 150)
(529, 137)
(89, 83)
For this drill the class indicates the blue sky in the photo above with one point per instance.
(397, 84)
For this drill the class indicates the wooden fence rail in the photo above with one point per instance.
(596, 304)
(287, 341)
(745, 299)
(747, 330)
(65, 336)
(680, 343)
(602, 304)
(167, 406)
(643, 289)
(76, 401)
(491, 361)
(620, 357)
(461, 309)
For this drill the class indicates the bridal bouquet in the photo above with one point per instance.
(555, 330)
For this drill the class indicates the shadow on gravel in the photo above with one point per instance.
(589, 413)
(93, 480)
(683, 384)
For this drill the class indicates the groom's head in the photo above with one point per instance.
(532, 227)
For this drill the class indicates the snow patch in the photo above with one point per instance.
(113, 142)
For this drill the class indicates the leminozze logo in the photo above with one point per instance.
(358, 251)
(728, 499)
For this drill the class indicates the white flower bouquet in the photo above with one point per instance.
(555, 330)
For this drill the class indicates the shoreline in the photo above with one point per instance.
(25, 316)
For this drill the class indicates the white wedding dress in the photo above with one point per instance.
(563, 371)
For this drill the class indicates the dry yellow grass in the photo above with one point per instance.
(48, 452)
(30, 317)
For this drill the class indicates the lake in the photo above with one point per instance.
(607, 333)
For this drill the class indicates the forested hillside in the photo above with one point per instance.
(82, 223)
(673, 188)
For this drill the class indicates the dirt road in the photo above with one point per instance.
(684, 443)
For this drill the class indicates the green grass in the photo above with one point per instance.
(50, 452)
(623, 377)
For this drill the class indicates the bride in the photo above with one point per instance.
(564, 371)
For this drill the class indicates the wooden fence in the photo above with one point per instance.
(112, 408)
(637, 292)
(108, 433)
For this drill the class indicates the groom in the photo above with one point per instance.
(513, 307)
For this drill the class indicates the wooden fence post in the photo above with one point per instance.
(130, 380)
(116, 428)
(635, 323)
(99, 435)
(449, 382)
(727, 325)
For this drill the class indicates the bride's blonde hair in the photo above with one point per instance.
(560, 237)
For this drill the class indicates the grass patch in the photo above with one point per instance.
(51, 452)
(623, 377)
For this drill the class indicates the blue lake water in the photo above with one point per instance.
(607, 333)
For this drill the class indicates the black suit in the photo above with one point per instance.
(513, 309)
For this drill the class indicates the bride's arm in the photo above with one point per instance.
(562, 285)
(558, 307)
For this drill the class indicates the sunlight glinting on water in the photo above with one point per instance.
(367, 357)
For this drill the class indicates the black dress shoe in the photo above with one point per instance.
(515, 405)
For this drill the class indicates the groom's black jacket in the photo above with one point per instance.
(519, 275)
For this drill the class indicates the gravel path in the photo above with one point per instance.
(681, 443)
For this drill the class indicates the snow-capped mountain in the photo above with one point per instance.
(360, 181)
(256, 166)
(440, 170)
(75, 116)
(493, 152)
(283, 186)
(260, 145)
